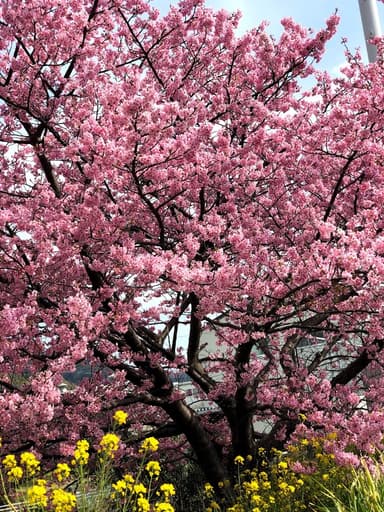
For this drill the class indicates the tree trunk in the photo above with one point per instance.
(202, 445)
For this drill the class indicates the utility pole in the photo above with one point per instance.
(371, 24)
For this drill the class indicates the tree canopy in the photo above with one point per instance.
(163, 176)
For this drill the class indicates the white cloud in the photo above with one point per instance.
(336, 70)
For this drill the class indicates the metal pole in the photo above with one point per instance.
(371, 24)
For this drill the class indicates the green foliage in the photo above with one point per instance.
(365, 493)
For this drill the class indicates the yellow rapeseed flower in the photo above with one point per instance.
(208, 489)
(109, 444)
(213, 506)
(164, 507)
(151, 444)
(139, 489)
(62, 471)
(9, 461)
(121, 487)
(63, 501)
(31, 463)
(257, 499)
(143, 505)
(15, 474)
(251, 487)
(236, 508)
(120, 417)
(153, 468)
(168, 490)
(239, 460)
(37, 495)
(82, 444)
(128, 478)
(81, 453)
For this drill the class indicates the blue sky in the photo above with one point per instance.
(309, 14)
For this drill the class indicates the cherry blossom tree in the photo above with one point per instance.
(162, 178)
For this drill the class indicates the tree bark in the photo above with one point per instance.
(203, 446)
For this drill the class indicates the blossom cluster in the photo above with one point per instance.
(28, 466)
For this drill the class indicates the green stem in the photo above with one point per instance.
(6, 497)
(140, 470)
(83, 503)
